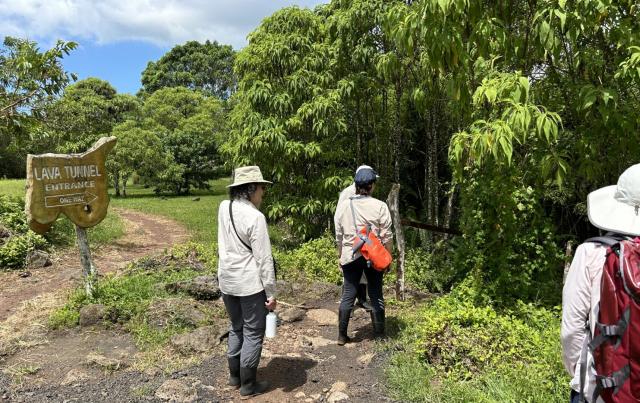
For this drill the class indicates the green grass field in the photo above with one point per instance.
(199, 217)
(13, 187)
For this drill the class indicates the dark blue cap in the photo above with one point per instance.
(365, 176)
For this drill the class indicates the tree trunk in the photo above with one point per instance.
(88, 269)
(393, 201)
(449, 211)
(397, 135)
(116, 183)
(359, 153)
(125, 179)
(567, 260)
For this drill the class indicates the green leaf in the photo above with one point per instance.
(563, 18)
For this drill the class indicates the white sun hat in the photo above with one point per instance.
(616, 208)
(248, 174)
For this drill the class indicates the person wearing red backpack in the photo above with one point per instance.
(599, 332)
(357, 213)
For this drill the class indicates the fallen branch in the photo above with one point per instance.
(295, 306)
(435, 228)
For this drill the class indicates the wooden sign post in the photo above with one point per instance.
(74, 185)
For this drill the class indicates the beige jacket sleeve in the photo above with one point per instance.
(580, 301)
(386, 231)
(261, 247)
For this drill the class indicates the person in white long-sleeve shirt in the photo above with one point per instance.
(345, 194)
(613, 209)
(246, 276)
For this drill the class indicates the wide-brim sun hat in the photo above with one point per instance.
(616, 208)
(248, 174)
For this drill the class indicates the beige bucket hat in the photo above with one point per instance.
(248, 174)
(616, 208)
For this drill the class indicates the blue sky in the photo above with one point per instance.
(118, 38)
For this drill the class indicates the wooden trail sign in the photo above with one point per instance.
(74, 185)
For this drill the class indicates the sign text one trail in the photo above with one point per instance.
(72, 184)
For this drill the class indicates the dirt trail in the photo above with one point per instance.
(303, 363)
(145, 234)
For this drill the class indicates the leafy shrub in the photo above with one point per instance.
(314, 260)
(14, 249)
(509, 245)
(14, 252)
(462, 352)
(430, 271)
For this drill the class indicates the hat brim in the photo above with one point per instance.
(251, 181)
(609, 214)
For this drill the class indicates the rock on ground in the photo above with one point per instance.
(337, 397)
(92, 314)
(37, 258)
(292, 315)
(201, 287)
(323, 317)
(201, 340)
(164, 312)
(74, 376)
(176, 391)
(99, 360)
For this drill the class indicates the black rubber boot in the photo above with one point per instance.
(362, 298)
(377, 319)
(234, 371)
(343, 324)
(249, 386)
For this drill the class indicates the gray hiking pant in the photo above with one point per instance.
(248, 322)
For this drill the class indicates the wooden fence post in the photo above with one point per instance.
(567, 260)
(88, 269)
(393, 201)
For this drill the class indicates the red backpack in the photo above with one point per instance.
(616, 342)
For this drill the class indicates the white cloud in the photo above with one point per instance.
(161, 22)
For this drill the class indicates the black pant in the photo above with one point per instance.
(352, 272)
(575, 396)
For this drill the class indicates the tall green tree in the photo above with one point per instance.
(190, 127)
(29, 79)
(86, 111)
(206, 67)
(139, 151)
(289, 118)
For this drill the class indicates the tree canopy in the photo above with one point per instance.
(206, 67)
(29, 79)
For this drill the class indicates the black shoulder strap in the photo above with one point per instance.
(234, 227)
(609, 239)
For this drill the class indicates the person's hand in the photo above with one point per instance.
(271, 304)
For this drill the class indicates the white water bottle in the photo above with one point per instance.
(272, 322)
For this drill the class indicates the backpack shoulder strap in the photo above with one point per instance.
(234, 227)
(362, 238)
(608, 239)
